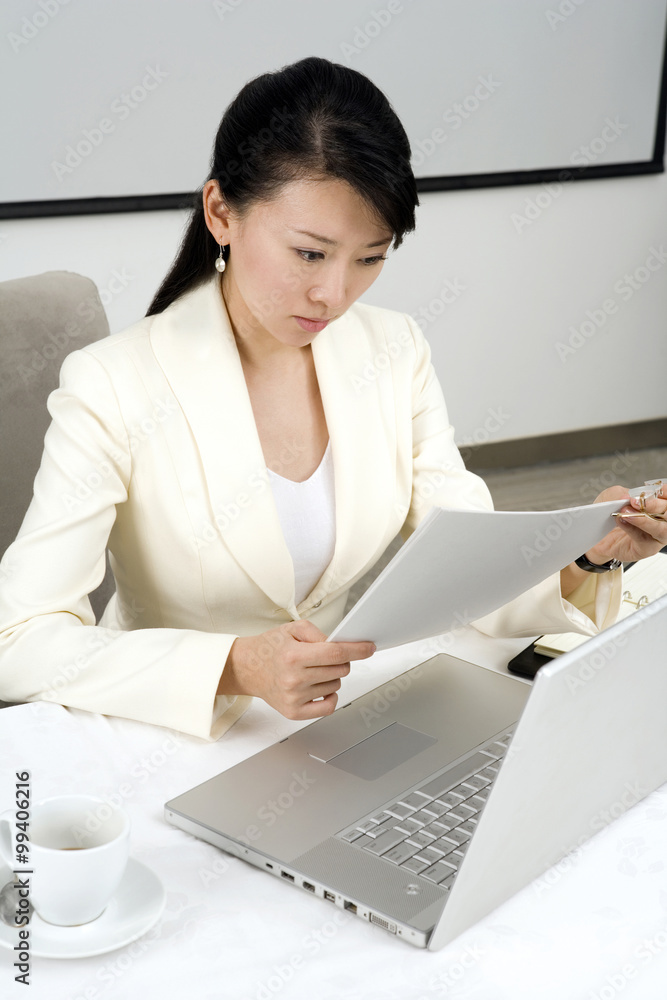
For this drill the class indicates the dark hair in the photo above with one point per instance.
(313, 118)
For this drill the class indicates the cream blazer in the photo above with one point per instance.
(153, 453)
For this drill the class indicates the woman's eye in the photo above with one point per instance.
(310, 255)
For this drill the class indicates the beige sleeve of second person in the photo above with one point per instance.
(441, 479)
(50, 647)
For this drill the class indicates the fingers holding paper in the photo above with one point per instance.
(635, 535)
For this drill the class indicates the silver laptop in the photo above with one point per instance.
(429, 801)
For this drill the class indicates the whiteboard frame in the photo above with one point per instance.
(186, 200)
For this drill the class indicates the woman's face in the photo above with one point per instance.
(307, 255)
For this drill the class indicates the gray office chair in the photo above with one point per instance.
(43, 318)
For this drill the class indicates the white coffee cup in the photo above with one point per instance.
(78, 851)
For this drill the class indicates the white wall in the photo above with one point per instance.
(526, 285)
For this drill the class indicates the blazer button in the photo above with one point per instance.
(317, 605)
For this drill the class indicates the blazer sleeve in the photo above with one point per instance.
(50, 647)
(441, 479)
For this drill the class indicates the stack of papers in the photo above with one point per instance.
(459, 565)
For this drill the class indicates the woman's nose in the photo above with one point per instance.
(332, 291)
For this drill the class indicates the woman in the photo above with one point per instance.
(230, 456)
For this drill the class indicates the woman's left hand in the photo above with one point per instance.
(634, 538)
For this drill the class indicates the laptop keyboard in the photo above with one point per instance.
(426, 831)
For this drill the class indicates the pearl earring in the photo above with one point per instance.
(220, 263)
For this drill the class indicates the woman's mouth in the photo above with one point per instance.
(311, 325)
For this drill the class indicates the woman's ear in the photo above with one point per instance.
(216, 212)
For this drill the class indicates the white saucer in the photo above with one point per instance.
(133, 909)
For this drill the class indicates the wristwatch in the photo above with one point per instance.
(583, 563)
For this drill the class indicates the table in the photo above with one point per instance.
(592, 928)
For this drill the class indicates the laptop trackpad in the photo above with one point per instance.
(378, 754)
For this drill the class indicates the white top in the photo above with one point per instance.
(307, 513)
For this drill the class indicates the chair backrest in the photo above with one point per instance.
(43, 318)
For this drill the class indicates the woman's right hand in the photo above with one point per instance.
(289, 667)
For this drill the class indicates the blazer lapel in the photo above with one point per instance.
(195, 346)
(361, 417)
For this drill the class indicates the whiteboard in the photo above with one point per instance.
(121, 99)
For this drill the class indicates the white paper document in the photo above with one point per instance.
(459, 565)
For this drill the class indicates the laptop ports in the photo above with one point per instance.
(309, 886)
(381, 922)
(330, 896)
(350, 906)
(287, 875)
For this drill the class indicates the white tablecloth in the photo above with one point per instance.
(593, 928)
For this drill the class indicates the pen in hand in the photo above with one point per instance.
(656, 517)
